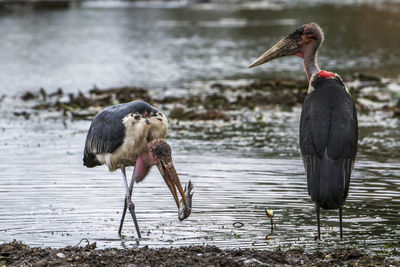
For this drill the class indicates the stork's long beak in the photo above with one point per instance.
(284, 47)
(168, 172)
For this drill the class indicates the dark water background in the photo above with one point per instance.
(239, 169)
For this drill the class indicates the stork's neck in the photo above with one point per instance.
(310, 58)
(142, 166)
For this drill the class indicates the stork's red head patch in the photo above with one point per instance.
(326, 74)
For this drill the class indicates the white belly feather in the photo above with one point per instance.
(139, 131)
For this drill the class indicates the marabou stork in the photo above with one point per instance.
(328, 124)
(132, 134)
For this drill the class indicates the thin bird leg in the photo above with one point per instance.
(130, 205)
(126, 204)
(340, 221)
(318, 223)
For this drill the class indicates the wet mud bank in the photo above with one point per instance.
(19, 254)
(216, 101)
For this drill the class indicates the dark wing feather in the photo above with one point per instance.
(107, 131)
(328, 142)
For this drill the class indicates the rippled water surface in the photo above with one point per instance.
(239, 169)
(49, 199)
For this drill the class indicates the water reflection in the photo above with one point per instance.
(49, 199)
(78, 47)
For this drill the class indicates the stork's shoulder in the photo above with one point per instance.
(121, 130)
(107, 130)
(326, 79)
(151, 121)
(141, 107)
(121, 110)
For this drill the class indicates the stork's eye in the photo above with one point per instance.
(308, 36)
(311, 36)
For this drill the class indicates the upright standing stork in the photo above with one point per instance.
(328, 124)
(132, 134)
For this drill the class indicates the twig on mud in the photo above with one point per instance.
(83, 239)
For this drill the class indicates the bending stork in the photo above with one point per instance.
(328, 124)
(132, 134)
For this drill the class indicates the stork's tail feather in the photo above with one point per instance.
(90, 160)
(328, 182)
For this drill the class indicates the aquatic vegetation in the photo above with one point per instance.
(217, 101)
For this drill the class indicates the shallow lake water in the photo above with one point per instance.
(239, 169)
(49, 199)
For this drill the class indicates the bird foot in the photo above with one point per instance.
(184, 211)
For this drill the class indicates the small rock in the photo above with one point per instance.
(24, 114)
(253, 262)
(60, 255)
(28, 96)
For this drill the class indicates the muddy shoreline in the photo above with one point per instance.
(19, 254)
